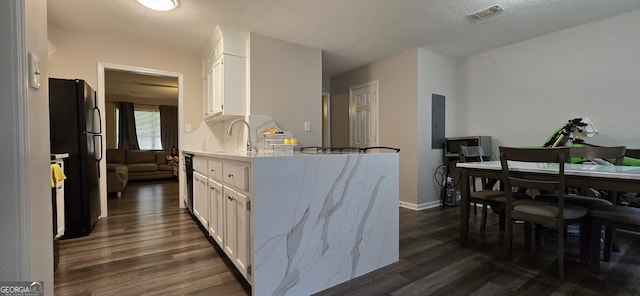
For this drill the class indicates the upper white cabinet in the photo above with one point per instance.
(225, 75)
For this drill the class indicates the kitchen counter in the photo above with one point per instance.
(318, 220)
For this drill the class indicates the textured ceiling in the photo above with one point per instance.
(351, 33)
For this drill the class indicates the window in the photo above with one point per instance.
(148, 127)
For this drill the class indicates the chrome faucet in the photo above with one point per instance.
(249, 146)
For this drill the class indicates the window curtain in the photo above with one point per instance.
(168, 126)
(127, 136)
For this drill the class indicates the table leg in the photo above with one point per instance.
(464, 206)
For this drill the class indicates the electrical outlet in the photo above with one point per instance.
(307, 126)
(187, 127)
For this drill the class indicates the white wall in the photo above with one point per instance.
(26, 218)
(41, 255)
(286, 84)
(436, 75)
(398, 116)
(521, 93)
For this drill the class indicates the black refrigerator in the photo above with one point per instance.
(74, 121)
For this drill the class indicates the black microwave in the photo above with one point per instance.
(452, 145)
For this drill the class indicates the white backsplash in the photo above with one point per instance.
(210, 137)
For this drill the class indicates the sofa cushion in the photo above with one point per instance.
(142, 167)
(161, 157)
(141, 156)
(115, 156)
(165, 167)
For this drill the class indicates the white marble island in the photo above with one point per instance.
(315, 220)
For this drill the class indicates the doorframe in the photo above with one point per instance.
(326, 119)
(352, 110)
(101, 105)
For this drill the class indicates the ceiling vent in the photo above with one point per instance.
(488, 11)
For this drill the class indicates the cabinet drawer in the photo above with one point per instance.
(215, 169)
(200, 164)
(236, 176)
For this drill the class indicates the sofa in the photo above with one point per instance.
(133, 165)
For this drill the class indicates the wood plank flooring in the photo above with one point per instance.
(148, 246)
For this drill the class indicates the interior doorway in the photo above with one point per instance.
(326, 120)
(143, 85)
(363, 115)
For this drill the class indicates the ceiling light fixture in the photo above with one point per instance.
(160, 5)
(487, 11)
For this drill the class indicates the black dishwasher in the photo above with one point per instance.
(188, 167)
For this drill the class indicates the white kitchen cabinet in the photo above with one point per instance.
(221, 204)
(207, 91)
(227, 88)
(225, 75)
(216, 211)
(236, 243)
(201, 198)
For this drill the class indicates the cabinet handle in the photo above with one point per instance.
(230, 175)
(229, 197)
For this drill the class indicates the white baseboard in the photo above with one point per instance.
(420, 207)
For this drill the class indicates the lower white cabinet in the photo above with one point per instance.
(216, 211)
(201, 198)
(236, 243)
(222, 206)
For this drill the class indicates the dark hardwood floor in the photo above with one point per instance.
(148, 246)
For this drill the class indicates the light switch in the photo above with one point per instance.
(307, 126)
(187, 127)
(34, 71)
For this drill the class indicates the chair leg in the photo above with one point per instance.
(585, 231)
(527, 235)
(608, 242)
(475, 209)
(615, 248)
(561, 253)
(502, 222)
(538, 230)
(508, 235)
(594, 264)
(483, 225)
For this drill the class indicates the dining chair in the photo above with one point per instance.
(634, 153)
(553, 214)
(612, 217)
(481, 195)
(603, 156)
(609, 155)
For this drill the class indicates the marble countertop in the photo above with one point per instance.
(248, 156)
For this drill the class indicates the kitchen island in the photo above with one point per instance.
(300, 223)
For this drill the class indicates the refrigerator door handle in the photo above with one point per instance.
(97, 120)
(98, 146)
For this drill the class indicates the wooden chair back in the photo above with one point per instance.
(616, 153)
(556, 156)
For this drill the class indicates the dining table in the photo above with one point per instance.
(605, 177)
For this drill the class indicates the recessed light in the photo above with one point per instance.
(487, 11)
(160, 5)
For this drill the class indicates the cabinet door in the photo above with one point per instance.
(217, 85)
(216, 211)
(208, 93)
(201, 199)
(237, 224)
